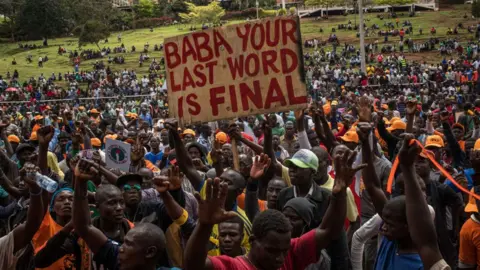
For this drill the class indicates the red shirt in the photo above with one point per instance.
(302, 253)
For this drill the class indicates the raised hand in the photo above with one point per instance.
(175, 177)
(363, 131)
(216, 154)
(85, 170)
(430, 116)
(171, 124)
(81, 128)
(364, 108)
(211, 210)
(260, 164)
(198, 163)
(45, 135)
(344, 170)
(28, 174)
(299, 115)
(161, 183)
(234, 132)
(411, 106)
(409, 151)
(267, 129)
(444, 116)
(318, 112)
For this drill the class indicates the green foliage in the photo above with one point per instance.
(292, 11)
(144, 8)
(476, 9)
(203, 14)
(179, 6)
(43, 18)
(282, 12)
(270, 4)
(263, 13)
(163, 8)
(394, 2)
(324, 3)
(92, 32)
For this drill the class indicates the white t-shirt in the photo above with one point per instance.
(8, 260)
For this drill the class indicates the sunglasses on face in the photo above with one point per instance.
(128, 187)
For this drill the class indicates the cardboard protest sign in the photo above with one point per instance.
(236, 70)
(117, 154)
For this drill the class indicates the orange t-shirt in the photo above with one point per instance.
(262, 205)
(470, 243)
(47, 230)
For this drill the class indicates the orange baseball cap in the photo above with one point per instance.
(394, 119)
(96, 142)
(13, 138)
(33, 136)
(434, 141)
(110, 136)
(476, 147)
(38, 117)
(221, 137)
(398, 124)
(188, 131)
(94, 111)
(132, 115)
(350, 136)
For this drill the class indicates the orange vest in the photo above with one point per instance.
(47, 230)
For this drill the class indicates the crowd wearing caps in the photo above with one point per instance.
(339, 185)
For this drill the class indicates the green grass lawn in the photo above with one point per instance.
(448, 17)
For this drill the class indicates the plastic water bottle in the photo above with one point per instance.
(46, 183)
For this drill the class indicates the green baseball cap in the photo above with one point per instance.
(304, 159)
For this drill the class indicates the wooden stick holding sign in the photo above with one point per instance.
(236, 159)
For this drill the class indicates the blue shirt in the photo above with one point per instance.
(387, 258)
(154, 157)
(468, 174)
(147, 118)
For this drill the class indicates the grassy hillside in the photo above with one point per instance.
(443, 19)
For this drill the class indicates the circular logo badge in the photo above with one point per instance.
(117, 154)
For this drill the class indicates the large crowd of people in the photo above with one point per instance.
(378, 172)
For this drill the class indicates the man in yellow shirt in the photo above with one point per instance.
(236, 184)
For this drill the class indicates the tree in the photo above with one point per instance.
(323, 3)
(476, 8)
(43, 18)
(144, 8)
(92, 31)
(394, 3)
(9, 10)
(203, 14)
(179, 6)
(93, 24)
(267, 4)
